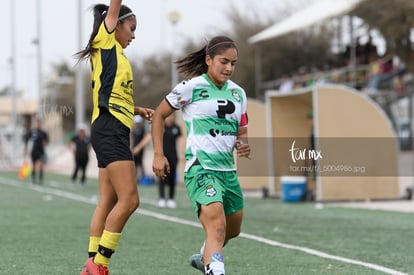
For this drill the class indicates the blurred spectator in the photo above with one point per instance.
(287, 84)
(350, 49)
(172, 133)
(386, 73)
(369, 50)
(359, 51)
(400, 71)
(140, 139)
(80, 145)
(36, 140)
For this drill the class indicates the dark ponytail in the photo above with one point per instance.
(99, 14)
(194, 63)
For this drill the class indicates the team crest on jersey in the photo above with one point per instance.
(210, 191)
(236, 95)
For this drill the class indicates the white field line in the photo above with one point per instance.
(92, 200)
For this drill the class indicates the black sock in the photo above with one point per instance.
(91, 254)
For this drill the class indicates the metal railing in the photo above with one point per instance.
(353, 77)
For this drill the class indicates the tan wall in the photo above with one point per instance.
(23, 107)
(289, 123)
(352, 132)
(253, 174)
(370, 145)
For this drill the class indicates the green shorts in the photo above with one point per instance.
(208, 186)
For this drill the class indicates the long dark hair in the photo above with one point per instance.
(99, 14)
(194, 63)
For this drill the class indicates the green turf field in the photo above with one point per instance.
(44, 230)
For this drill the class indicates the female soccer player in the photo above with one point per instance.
(214, 111)
(112, 119)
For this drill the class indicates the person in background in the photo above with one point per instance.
(112, 118)
(36, 139)
(214, 110)
(312, 144)
(381, 73)
(172, 133)
(141, 139)
(369, 50)
(287, 84)
(80, 145)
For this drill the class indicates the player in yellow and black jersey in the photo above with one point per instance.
(112, 118)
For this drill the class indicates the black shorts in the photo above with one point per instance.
(110, 139)
(38, 156)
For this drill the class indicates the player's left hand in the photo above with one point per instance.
(243, 149)
(146, 113)
(160, 166)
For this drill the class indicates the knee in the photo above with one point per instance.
(233, 231)
(129, 204)
(232, 234)
(134, 203)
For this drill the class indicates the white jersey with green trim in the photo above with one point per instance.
(212, 117)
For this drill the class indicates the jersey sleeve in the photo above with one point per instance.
(180, 96)
(244, 120)
(104, 39)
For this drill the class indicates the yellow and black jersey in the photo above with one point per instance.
(111, 78)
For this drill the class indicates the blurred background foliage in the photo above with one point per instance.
(286, 54)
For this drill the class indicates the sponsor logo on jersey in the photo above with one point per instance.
(216, 132)
(203, 94)
(225, 107)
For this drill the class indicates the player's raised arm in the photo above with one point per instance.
(111, 18)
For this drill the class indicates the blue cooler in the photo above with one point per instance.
(147, 180)
(293, 188)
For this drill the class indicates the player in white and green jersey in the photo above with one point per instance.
(214, 112)
(212, 118)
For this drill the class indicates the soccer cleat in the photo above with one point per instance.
(84, 271)
(95, 269)
(196, 261)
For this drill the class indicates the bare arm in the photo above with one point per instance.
(111, 18)
(70, 145)
(160, 164)
(142, 144)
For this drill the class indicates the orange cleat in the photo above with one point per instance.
(91, 268)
